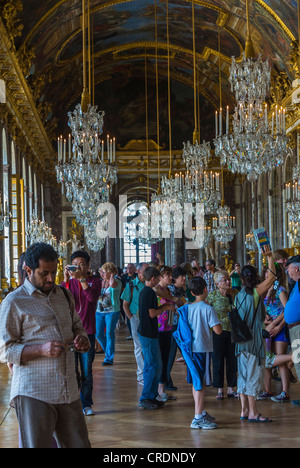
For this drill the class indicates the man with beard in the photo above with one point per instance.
(39, 331)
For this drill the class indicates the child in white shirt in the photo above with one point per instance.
(202, 318)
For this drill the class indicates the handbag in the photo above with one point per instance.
(240, 331)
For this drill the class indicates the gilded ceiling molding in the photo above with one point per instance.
(274, 15)
(20, 102)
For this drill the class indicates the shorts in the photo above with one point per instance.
(202, 362)
(281, 336)
(250, 375)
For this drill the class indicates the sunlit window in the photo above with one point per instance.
(135, 251)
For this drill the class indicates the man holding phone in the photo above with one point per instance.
(86, 289)
(39, 328)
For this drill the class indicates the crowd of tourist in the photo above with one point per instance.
(184, 307)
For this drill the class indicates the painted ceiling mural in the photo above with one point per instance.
(123, 32)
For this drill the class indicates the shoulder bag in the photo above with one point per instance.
(240, 331)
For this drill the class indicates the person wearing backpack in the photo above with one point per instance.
(292, 313)
(251, 353)
(130, 297)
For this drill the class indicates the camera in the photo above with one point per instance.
(72, 268)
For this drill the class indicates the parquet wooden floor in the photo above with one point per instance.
(119, 423)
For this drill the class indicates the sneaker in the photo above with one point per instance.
(204, 424)
(165, 397)
(107, 363)
(265, 396)
(208, 417)
(296, 402)
(148, 405)
(88, 411)
(282, 398)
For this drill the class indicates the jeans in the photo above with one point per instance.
(138, 353)
(165, 340)
(172, 356)
(152, 367)
(105, 333)
(85, 375)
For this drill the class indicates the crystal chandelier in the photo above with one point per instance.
(292, 195)
(84, 174)
(39, 231)
(85, 177)
(254, 146)
(250, 242)
(294, 232)
(5, 215)
(224, 228)
(196, 186)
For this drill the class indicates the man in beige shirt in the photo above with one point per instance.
(39, 330)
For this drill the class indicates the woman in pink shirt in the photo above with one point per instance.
(165, 326)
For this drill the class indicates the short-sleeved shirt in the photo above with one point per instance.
(133, 299)
(209, 278)
(148, 326)
(292, 307)
(202, 317)
(222, 306)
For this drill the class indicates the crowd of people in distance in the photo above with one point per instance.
(184, 307)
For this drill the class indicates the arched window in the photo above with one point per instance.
(134, 250)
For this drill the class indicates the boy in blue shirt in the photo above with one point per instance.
(194, 337)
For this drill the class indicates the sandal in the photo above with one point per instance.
(233, 395)
(258, 420)
(220, 396)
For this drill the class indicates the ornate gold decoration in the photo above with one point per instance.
(20, 103)
(9, 10)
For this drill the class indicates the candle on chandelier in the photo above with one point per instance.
(61, 147)
(96, 144)
(220, 121)
(227, 120)
(273, 116)
(241, 117)
(69, 147)
(111, 151)
(108, 156)
(102, 150)
(216, 116)
(218, 182)
(114, 149)
(58, 149)
(266, 116)
(65, 144)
